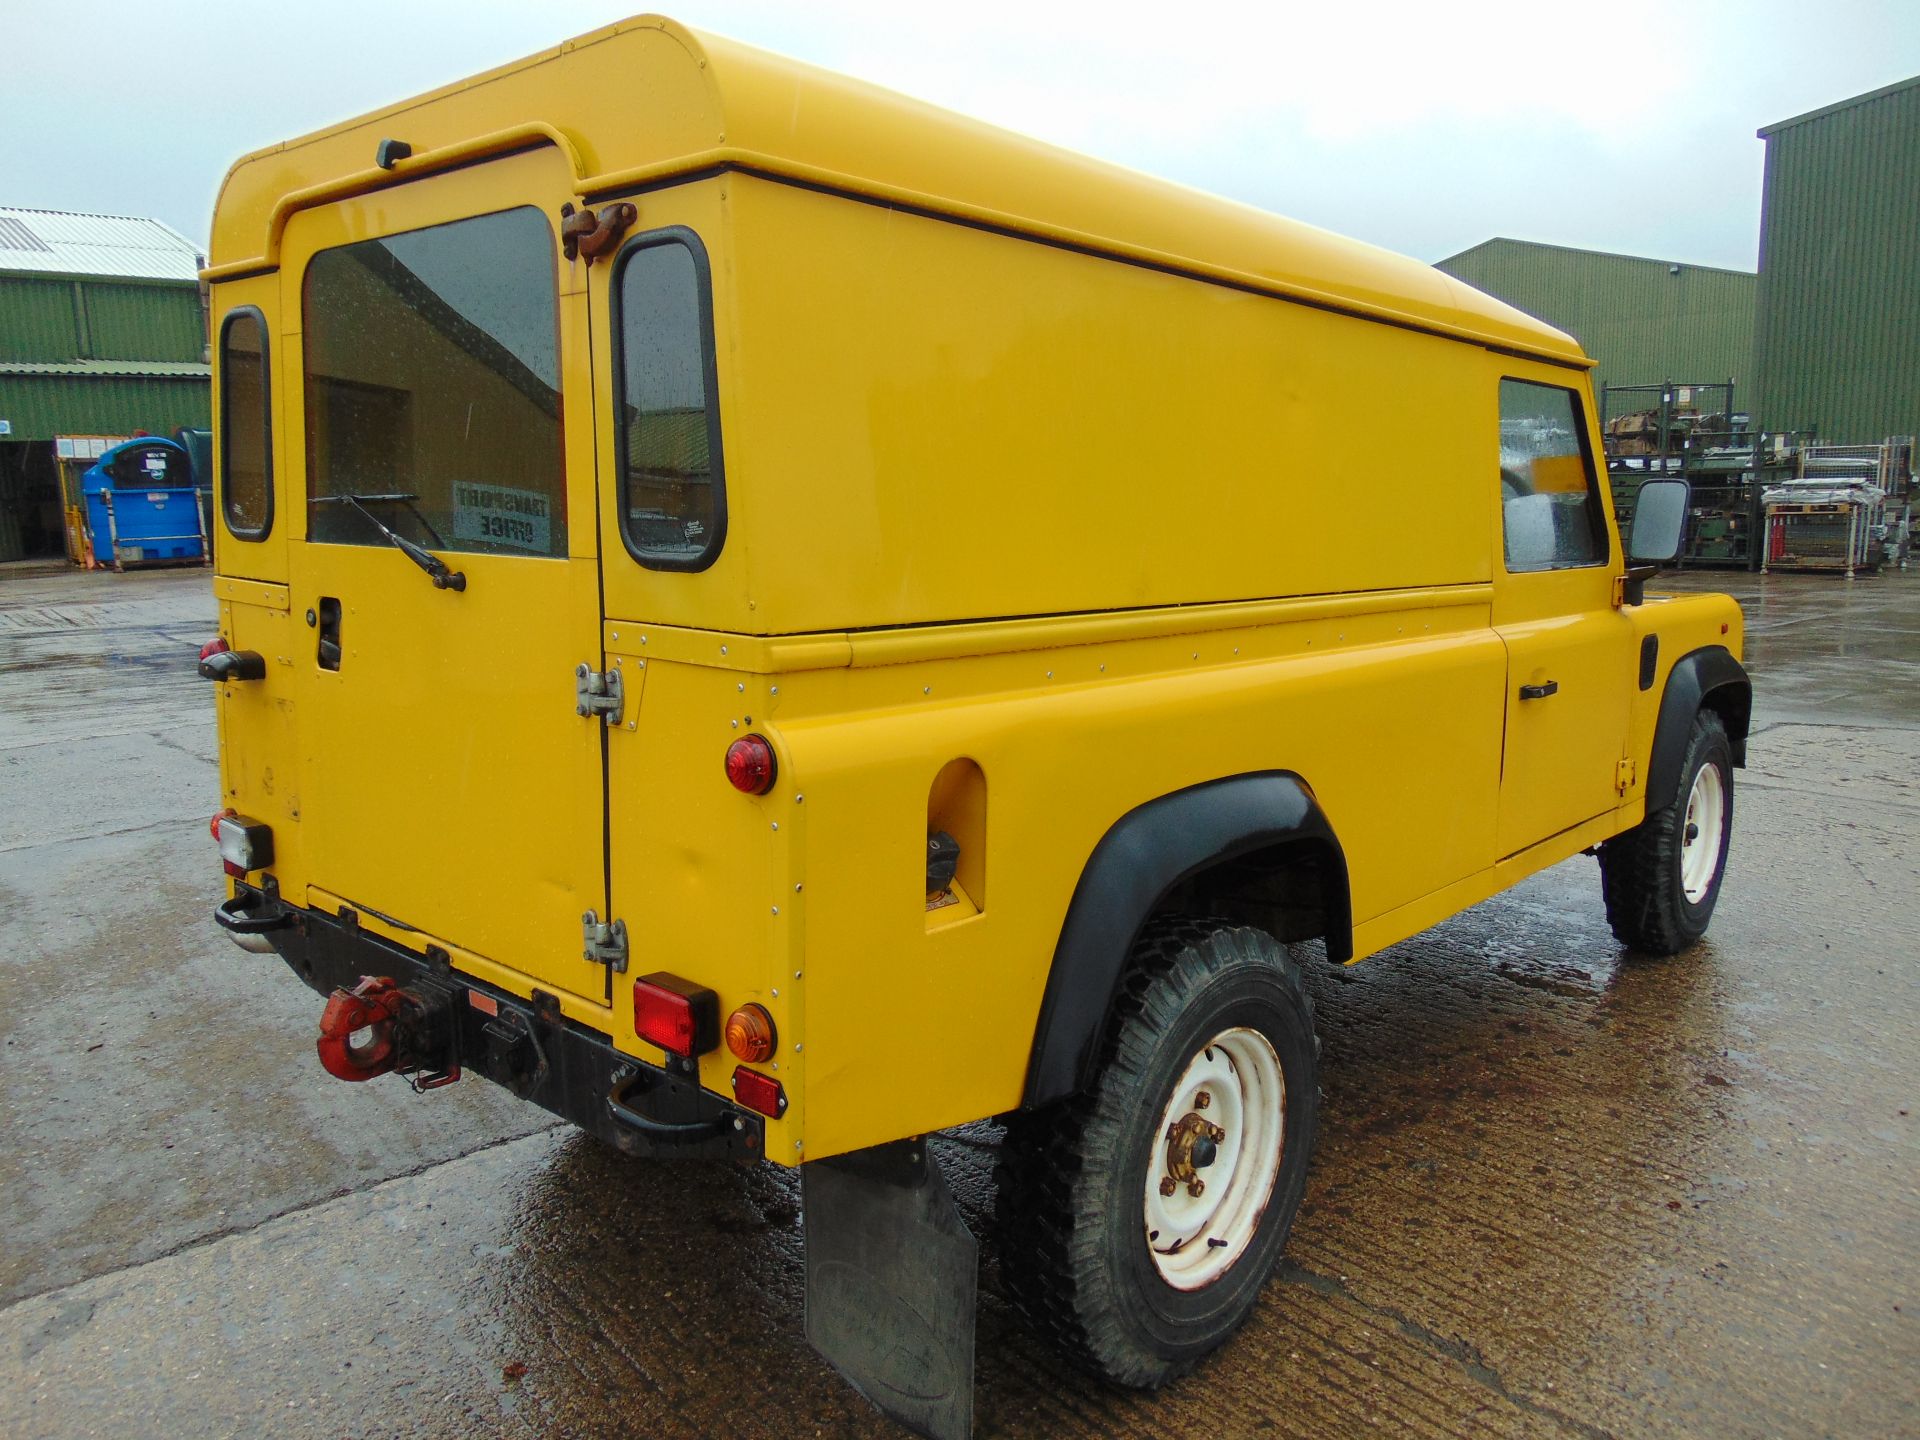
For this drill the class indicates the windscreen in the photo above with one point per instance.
(433, 388)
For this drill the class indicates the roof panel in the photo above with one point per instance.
(645, 99)
(59, 242)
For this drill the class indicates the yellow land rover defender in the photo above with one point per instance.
(771, 619)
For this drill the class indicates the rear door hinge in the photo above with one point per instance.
(597, 692)
(605, 941)
(1624, 775)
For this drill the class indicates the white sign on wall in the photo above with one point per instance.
(6, 427)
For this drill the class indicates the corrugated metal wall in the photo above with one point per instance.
(1839, 307)
(144, 322)
(40, 406)
(37, 319)
(1639, 319)
(81, 319)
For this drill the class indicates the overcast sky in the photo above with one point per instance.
(1424, 127)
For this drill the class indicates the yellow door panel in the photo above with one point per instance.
(448, 785)
(1567, 692)
(1570, 652)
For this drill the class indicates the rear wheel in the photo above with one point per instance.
(1662, 878)
(1140, 1220)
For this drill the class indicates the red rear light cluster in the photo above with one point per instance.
(213, 647)
(750, 765)
(684, 1020)
(680, 1017)
(245, 845)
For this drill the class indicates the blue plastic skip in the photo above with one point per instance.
(142, 505)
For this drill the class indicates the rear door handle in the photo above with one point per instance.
(1540, 692)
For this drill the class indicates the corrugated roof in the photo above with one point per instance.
(1665, 264)
(59, 242)
(155, 369)
(1825, 110)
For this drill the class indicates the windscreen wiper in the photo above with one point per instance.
(436, 568)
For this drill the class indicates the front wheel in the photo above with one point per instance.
(1140, 1220)
(1662, 878)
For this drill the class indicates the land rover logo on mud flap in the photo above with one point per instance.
(917, 1358)
(498, 515)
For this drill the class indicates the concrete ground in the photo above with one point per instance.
(1557, 1193)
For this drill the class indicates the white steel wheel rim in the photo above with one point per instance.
(1195, 1239)
(1700, 841)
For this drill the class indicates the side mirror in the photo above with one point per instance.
(1659, 521)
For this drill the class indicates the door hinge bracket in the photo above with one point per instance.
(605, 941)
(597, 692)
(1624, 774)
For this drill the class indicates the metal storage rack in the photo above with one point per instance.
(1691, 431)
(1849, 509)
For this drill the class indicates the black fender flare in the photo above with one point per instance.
(1707, 676)
(1141, 858)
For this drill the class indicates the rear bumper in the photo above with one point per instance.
(526, 1046)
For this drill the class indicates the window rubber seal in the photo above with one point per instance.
(710, 379)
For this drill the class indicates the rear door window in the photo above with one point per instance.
(246, 431)
(1549, 495)
(433, 388)
(673, 507)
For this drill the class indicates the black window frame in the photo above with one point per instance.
(1603, 532)
(690, 241)
(252, 535)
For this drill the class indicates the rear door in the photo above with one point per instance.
(1570, 652)
(447, 785)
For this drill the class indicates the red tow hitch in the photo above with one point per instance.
(395, 1025)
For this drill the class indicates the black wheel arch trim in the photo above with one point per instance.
(1144, 855)
(1711, 677)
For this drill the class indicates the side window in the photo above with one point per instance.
(1549, 495)
(672, 497)
(246, 428)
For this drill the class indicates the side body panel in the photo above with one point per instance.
(934, 422)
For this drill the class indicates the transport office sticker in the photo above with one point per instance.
(502, 516)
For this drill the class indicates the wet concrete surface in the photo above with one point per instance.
(1558, 1192)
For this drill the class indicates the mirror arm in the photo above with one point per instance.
(1633, 585)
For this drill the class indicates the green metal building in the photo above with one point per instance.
(1645, 321)
(102, 333)
(1839, 302)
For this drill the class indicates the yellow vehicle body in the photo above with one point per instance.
(1050, 490)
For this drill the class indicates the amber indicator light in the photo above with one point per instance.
(750, 1034)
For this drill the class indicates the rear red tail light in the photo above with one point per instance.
(213, 647)
(680, 1017)
(760, 1093)
(244, 844)
(750, 765)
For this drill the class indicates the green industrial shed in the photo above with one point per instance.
(102, 333)
(1838, 319)
(1645, 321)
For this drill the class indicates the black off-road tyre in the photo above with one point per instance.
(1074, 1251)
(1640, 871)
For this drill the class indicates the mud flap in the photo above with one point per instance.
(892, 1276)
